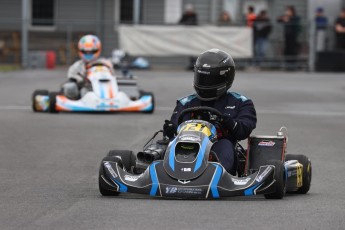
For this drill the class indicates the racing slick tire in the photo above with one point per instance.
(101, 182)
(52, 102)
(37, 92)
(279, 176)
(143, 93)
(307, 171)
(127, 158)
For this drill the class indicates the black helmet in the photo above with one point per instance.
(214, 72)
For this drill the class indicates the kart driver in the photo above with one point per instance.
(89, 47)
(214, 74)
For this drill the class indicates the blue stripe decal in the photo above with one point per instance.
(154, 179)
(200, 156)
(213, 132)
(172, 155)
(215, 181)
(250, 191)
(178, 128)
(102, 90)
(239, 96)
(187, 99)
(122, 187)
(78, 108)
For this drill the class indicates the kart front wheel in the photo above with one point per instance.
(307, 171)
(279, 176)
(39, 92)
(102, 184)
(127, 158)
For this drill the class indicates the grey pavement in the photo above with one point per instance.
(49, 162)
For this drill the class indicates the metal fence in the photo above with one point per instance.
(62, 38)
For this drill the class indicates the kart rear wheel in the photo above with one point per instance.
(307, 171)
(102, 183)
(127, 158)
(42, 92)
(52, 102)
(279, 176)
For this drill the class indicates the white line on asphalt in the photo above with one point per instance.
(260, 111)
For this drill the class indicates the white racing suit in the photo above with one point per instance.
(76, 86)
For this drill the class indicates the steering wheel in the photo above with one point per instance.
(199, 110)
(214, 116)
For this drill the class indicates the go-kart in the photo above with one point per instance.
(106, 94)
(186, 167)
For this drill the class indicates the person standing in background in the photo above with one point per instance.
(251, 16)
(189, 16)
(224, 19)
(340, 30)
(262, 28)
(292, 28)
(321, 23)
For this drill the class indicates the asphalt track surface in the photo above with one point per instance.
(49, 162)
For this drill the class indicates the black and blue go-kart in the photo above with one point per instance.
(185, 167)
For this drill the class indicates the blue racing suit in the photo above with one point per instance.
(242, 121)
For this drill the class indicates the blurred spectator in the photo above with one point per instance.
(224, 19)
(251, 16)
(321, 23)
(340, 30)
(262, 28)
(189, 16)
(292, 29)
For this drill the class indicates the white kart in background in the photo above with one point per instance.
(107, 94)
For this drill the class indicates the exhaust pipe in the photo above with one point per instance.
(150, 154)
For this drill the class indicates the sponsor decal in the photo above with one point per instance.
(263, 174)
(170, 190)
(240, 181)
(186, 169)
(197, 127)
(222, 72)
(226, 59)
(267, 143)
(292, 173)
(110, 169)
(131, 178)
(203, 72)
(182, 190)
(192, 138)
(230, 107)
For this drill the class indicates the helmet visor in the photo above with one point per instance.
(89, 51)
(210, 77)
(210, 93)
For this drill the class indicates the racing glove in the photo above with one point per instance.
(169, 129)
(228, 122)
